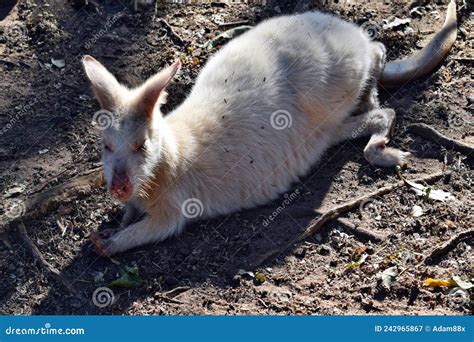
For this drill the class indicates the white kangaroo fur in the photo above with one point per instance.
(261, 113)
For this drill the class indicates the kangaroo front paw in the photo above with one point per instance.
(101, 241)
(378, 154)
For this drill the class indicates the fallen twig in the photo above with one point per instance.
(41, 186)
(115, 39)
(79, 185)
(430, 133)
(169, 299)
(361, 232)
(176, 291)
(316, 225)
(45, 201)
(234, 23)
(172, 32)
(50, 269)
(448, 245)
(298, 211)
(463, 59)
(9, 62)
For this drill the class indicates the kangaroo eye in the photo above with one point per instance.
(140, 147)
(107, 148)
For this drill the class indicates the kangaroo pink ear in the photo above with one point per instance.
(154, 87)
(104, 84)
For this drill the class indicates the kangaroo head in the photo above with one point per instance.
(130, 120)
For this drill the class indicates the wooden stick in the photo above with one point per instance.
(172, 32)
(430, 133)
(80, 185)
(234, 23)
(299, 211)
(448, 245)
(50, 269)
(9, 62)
(316, 225)
(463, 59)
(361, 232)
(45, 201)
(176, 291)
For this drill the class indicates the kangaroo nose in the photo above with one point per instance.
(121, 187)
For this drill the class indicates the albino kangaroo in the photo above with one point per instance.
(261, 113)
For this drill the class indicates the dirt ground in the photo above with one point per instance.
(46, 138)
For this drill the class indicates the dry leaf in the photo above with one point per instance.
(416, 211)
(438, 195)
(387, 276)
(463, 284)
(438, 282)
(450, 224)
(354, 264)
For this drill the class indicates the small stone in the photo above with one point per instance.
(470, 100)
(171, 281)
(300, 252)
(236, 280)
(416, 211)
(324, 250)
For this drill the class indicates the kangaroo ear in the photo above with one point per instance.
(153, 90)
(104, 84)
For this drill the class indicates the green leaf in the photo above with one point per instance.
(463, 284)
(129, 278)
(429, 193)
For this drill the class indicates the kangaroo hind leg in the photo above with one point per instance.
(379, 124)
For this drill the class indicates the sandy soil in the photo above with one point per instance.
(212, 268)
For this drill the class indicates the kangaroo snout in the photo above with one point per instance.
(121, 188)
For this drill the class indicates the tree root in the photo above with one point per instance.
(52, 271)
(83, 184)
(438, 252)
(45, 201)
(317, 225)
(174, 36)
(430, 133)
